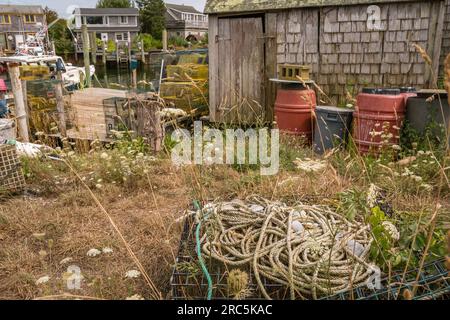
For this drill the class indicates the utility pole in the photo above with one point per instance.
(87, 64)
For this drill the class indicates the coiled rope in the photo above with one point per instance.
(310, 249)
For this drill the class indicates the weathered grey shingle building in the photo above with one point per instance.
(116, 24)
(349, 43)
(17, 23)
(185, 22)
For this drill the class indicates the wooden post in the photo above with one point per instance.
(93, 41)
(134, 78)
(21, 111)
(53, 47)
(60, 104)
(87, 67)
(129, 52)
(25, 100)
(117, 53)
(149, 124)
(164, 39)
(142, 52)
(104, 53)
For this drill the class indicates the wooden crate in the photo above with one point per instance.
(88, 116)
(292, 72)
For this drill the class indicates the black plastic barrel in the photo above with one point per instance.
(332, 127)
(428, 108)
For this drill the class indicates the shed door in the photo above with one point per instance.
(241, 78)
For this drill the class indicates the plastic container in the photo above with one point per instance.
(332, 127)
(293, 111)
(378, 118)
(420, 113)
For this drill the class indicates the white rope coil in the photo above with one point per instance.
(310, 249)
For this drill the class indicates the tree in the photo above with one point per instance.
(114, 4)
(50, 15)
(153, 17)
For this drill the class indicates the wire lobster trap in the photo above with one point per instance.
(433, 283)
(11, 176)
(189, 283)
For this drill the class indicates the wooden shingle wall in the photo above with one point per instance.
(446, 34)
(346, 54)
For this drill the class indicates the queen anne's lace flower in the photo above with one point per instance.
(93, 252)
(43, 280)
(391, 230)
(132, 274)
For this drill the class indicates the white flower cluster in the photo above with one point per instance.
(391, 230)
(310, 165)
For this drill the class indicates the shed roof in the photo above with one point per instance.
(21, 9)
(231, 6)
(182, 8)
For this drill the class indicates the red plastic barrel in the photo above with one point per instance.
(293, 111)
(378, 118)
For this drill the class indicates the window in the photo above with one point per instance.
(123, 20)
(122, 36)
(29, 18)
(94, 20)
(5, 19)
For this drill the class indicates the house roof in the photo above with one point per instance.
(108, 11)
(21, 9)
(182, 8)
(230, 6)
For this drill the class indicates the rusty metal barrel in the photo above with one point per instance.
(294, 109)
(379, 117)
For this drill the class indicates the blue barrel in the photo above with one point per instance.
(332, 127)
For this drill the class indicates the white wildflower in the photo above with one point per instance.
(107, 250)
(65, 260)
(43, 280)
(396, 147)
(309, 165)
(98, 186)
(135, 297)
(391, 230)
(93, 252)
(104, 156)
(372, 195)
(132, 274)
(426, 186)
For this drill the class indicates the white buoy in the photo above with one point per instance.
(355, 248)
(297, 227)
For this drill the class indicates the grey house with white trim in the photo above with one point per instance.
(17, 23)
(185, 22)
(118, 24)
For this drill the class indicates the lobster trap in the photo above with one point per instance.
(11, 176)
(433, 283)
(188, 282)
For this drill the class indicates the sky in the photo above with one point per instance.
(61, 5)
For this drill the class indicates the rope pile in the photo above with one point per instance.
(310, 249)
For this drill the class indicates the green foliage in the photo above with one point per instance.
(178, 42)
(150, 43)
(114, 4)
(111, 46)
(60, 34)
(434, 138)
(153, 17)
(382, 249)
(353, 203)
